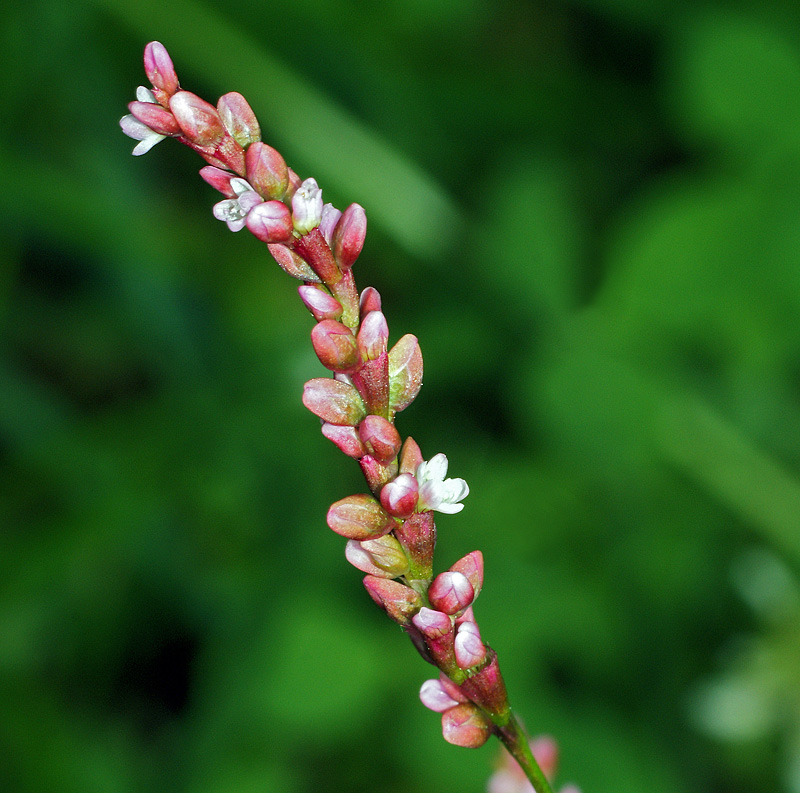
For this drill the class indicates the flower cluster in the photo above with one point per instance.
(390, 530)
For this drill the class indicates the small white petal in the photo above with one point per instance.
(240, 186)
(145, 95)
(448, 509)
(145, 145)
(237, 225)
(455, 490)
(134, 128)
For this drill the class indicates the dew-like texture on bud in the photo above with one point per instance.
(399, 497)
(239, 119)
(383, 557)
(431, 623)
(464, 725)
(410, 456)
(334, 401)
(405, 372)
(271, 222)
(468, 647)
(471, 566)
(359, 517)
(433, 696)
(345, 438)
(348, 236)
(451, 592)
(373, 335)
(335, 346)
(159, 68)
(399, 601)
(198, 120)
(380, 437)
(266, 170)
(291, 263)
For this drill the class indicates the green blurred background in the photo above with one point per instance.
(589, 214)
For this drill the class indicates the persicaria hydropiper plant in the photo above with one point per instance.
(390, 531)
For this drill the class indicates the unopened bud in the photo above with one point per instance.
(471, 566)
(345, 438)
(348, 236)
(410, 457)
(155, 117)
(159, 69)
(399, 497)
(373, 336)
(451, 592)
(198, 120)
(307, 206)
(335, 346)
(271, 222)
(334, 401)
(266, 170)
(431, 623)
(330, 217)
(433, 696)
(465, 725)
(239, 119)
(291, 263)
(405, 373)
(468, 647)
(380, 437)
(320, 303)
(383, 557)
(370, 300)
(219, 180)
(399, 601)
(359, 517)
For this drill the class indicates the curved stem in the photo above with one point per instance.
(514, 739)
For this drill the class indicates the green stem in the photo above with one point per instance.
(514, 739)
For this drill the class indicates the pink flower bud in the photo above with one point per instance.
(417, 535)
(468, 647)
(266, 170)
(346, 439)
(434, 697)
(155, 117)
(373, 336)
(159, 69)
(380, 437)
(291, 263)
(399, 601)
(333, 401)
(335, 346)
(370, 300)
(383, 557)
(359, 517)
(399, 497)
(431, 623)
(198, 120)
(410, 457)
(271, 222)
(307, 206)
(330, 217)
(405, 373)
(486, 687)
(464, 725)
(472, 567)
(219, 180)
(451, 592)
(348, 236)
(451, 689)
(239, 119)
(320, 303)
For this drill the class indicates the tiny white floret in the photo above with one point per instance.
(436, 492)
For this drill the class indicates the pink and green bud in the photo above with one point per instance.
(291, 263)
(271, 222)
(405, 373)
(348, 236)
(266, 170)
(399, 497)
(432, 624)
(345, 438)
(417, 535)
(487, 688)
(376, 473)
(330, 217)
(239, 119)
(451, 593)
(359, 517)
(159, 68)
(468, 647)
(410, 456)
(199, 121)
(334, 402)
(399, 601)
(155, 117)
(434, 697)
(320, 303)
(307, 206)
(294, 185)
(219, 179)
(335, 346)
(471, 566)
(370, 300)
(383, 557)
(465, 725)
(373, 336)
(380, 438)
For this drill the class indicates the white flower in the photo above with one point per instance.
(135, 129)
(436, 492)
(234, 210)
(307, 206)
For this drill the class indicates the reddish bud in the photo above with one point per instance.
(451, 592)
(359, 517)
(320, 303)
(345, 438)
(239, 119)
(159, 69)
(373, 336)
(219, 180)
(383, 557)
(399, 497)
(266, 170)
(405, 373)
(348, 236)
(451, 689)
(198, 120)
(291, 263)
(380, 437)
(432, 624)
(410, 457)
(377, 473)
(335, 346)
(487, 688)
(468, 647)
(417, 535)
(472, 567)
(370, 300)
(155, 117)
(330, 217)
(271, 222)
(399, 601)
(464, 725)
(433, 696)
(333, 401)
